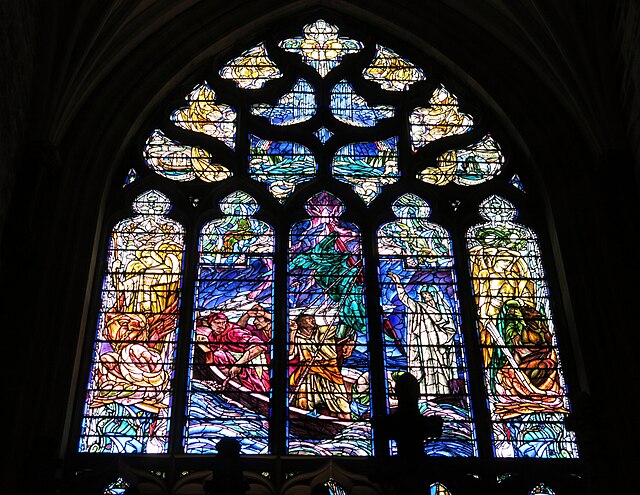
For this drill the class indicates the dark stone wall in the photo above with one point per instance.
(626, 35)
(18, 45)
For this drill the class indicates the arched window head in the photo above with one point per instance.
(438, 489)
(342, 216)
(541, 489)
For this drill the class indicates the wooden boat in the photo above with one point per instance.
(302, 423)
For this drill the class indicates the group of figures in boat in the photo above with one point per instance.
(236, 356)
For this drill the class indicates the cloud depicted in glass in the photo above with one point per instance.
(391, 71)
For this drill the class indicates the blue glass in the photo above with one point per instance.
(367, 166)
(323, 134)
(421, 322)
(294, 107)
(517, 183)
(132, 176)
(281, 165)
(350, 108)
(329, 393)
(229, 379)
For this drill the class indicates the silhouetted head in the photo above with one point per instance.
(228, 447)
(407, 390)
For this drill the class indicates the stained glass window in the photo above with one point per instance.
(438, 489)
(352, 109)
(442, 118)
(421, 321)
(204, 115)
(541, 489)
(328, 389)
(473, 165)
(131, 177)
(516, 182)
(130, 389)
(181, 163)
(342, 227)
(118, 487)
(321, 47)
(523, 376)
(281, 164)
(391, 71)
(323, 134)
(335, 488)
(251, 70)
(292, 108)
(367, 166)
(230, 376)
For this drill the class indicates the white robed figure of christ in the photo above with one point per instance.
(430, 331)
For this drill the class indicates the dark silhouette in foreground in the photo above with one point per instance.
(407, 426)
(411, 431)
(226, 473)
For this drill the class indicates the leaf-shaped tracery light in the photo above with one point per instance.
(251, 70)
(350, 108)
(442, 118)
(367, 166)
(321, 47)
(299, 105)
(391, 71)
(204, 115)
(280, 164)
(469, 166)
(180, 162)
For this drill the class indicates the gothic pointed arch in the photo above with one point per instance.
(343, 213)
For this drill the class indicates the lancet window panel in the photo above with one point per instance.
(334, 238)
(421, 322)
(229, 393)
(328, 335)
(525, 382)
(128, 405)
